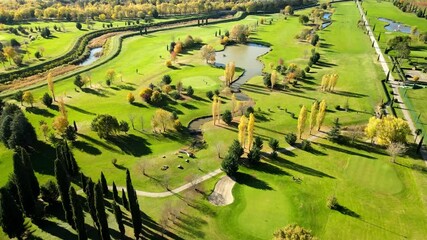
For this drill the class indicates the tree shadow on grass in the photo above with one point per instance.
(43, 157)
(54, 229)
(299, 168)
(189, 106)
(40, 111)
(77, 109)
(349, 94)
(344, 210)
(131, 144)
(251, 181)
(97, 142)
(197, 98)
(343, 150)
(270, 169)
(86, 147)
(98, 93)
(139, 105)
(152, 230)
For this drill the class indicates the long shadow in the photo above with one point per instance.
(126, 87)
(153, 230)
(77, 109)
(261, 117)
(97, 142)
(325, 64)
(382, 228)
(54, 229)
(43, 157)
(98, 93)
(138, 104)
(349, 94)
(189, 106)
(199, 98)
(270, 169)
(86, 147)
(40, 111)
(299, 168)
(344, 210)
(251, 181)
(131, 144)
(343, 150)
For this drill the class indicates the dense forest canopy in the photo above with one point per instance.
(17, 10)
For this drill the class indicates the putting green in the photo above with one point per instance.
(199, 82)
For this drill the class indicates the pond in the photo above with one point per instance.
(94, 55)
(393, 26)
(327, 19)
(245, 57)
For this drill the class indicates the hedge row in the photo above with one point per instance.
(80, 51)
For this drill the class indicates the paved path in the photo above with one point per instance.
(394, 84)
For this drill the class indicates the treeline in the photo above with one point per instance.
(11, 12)
(410, 7)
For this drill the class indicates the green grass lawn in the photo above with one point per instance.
(388, 197)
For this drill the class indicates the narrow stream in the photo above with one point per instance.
(393, 26)
(94, 55)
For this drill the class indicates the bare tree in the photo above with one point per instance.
(132, 120)
(219, 147)
(141, 119)
(396, 149)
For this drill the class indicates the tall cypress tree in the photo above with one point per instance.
(119, 218)
(83, 180)
(11, 218)
(63, 186)
(134, 206)
(104, 185)
(35, 187)
(100, 213)
(78, 216)
(115, 193)
(22, 181)
(125, 202)
(91, 201)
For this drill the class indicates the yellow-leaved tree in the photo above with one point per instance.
(130, 98)
(28, 98)
(50, 85)
(313, 114)
(218, 109)
(251, 125)
(242, 130)
(274, 77)
(233, 104)
(371, 128)
(214, 109)
(302, 118)
(162, 120)
(321, 114)
(387, 130)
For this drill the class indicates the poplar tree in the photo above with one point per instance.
(104, 185)
(251, 124)
(22, 180)
(125, 202)
(63, 186)
(302, 118)
(242, 130)
(119, 218)
(218, 110)
(233, 104)
(100, 213)
(11, 217)
(333, 81)
(214, 109)
(134, 206)
(273, 78)
(78, 215)
(321, 114)
(51, 85)
(313, 114)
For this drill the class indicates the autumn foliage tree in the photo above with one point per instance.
(229, 72)
(51, 85)
(242, 130)
(302, 118)
(313, 114)
(251, 125)
(162, 120)
(387, 130)
(321, 115)
(208, 53)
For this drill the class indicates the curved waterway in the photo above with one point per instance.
(393, 26)
(245, 57)
(94, 55)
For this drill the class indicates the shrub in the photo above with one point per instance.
(209, 94)
(291, 138)
(108, 82)
(416, 78)
(145, 94)
(78, 26)
(47, 100)
(168, 63)
(332, 202)
(130, 98)
(306, 145)
(78, 81)
(307, 69)
(156, 98)
(190, 91)
(166, 79)
(49, 192)
(124, 126)
(166, 88)
(227, 117)
(175, 95)
(38, 55)
(216, 92)
(267, 79)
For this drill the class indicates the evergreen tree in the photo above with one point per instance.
(91, 201)
(22, 132)
(64, 154)
(100, 213)
(119, 218)
(34, 183)
(78, 215)
(125, 202)
(334, 135)
(104, 185)
(134, 206)
(11, 218)
(22, 181)
(230, 165)
(115, 193)
(83, 180)
(5, 130)
(63, 186)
